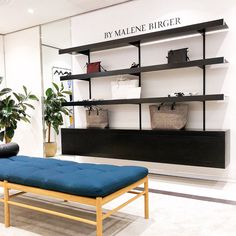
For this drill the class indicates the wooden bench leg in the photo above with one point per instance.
(6, 205)
(99, 215)
(146, 199)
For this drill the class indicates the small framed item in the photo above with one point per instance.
(94, 67)
(177, 56)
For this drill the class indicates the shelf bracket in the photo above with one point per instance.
(204, 78)
(136, 44)
(86, 53)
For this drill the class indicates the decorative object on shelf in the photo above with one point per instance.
(97, 118)
(13, 110)
(181, 94)
(178, 56)
(134, 65)
(125, 88)
(94, 67)
(58, 71)
(53, 114)
(168, 116)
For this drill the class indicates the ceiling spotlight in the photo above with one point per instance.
(30, 11)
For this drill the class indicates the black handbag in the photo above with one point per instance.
(177, 56)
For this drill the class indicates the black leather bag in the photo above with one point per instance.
(177, 56)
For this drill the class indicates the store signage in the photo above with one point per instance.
(162, 24)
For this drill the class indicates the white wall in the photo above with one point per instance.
(220, 115)
(57, 34)
(23, 67)
(2, 65)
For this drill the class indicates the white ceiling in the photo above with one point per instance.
(14, 14)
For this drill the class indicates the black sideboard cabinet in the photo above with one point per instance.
(204, 147)
(195, 148)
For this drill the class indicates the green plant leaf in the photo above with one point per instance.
(2, 136)
(62, 87)
(25, 90)
(56, 86)
(67, 92)
(5, 91)
(29, 105)
(25, 119)
(21, 96)
(10, 132)
(17, 97)
(33, 97)
(49, 92)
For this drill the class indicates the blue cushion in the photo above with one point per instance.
(81, 179)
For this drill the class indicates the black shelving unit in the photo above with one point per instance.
(137, 41)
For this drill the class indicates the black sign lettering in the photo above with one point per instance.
(161, 24)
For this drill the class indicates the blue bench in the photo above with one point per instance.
(89, 180)
(90, 184)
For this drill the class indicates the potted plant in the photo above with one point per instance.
(53, 114)
(13, 110)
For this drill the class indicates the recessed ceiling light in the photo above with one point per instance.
(30, 11)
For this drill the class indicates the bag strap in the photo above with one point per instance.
(159, 107)
(103, 68)
(90, 109)
(173, 106)
(97, 109)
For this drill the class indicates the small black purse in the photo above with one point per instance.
(177, 56)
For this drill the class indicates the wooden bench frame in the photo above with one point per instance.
(96, 202)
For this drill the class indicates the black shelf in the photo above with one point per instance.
(143, 38)
(197, 98)
(136, 71)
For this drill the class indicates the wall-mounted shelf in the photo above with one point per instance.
(136, 71)
(197, 98)
(185, 147)
(144, 38)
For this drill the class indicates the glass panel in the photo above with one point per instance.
(57, 36)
